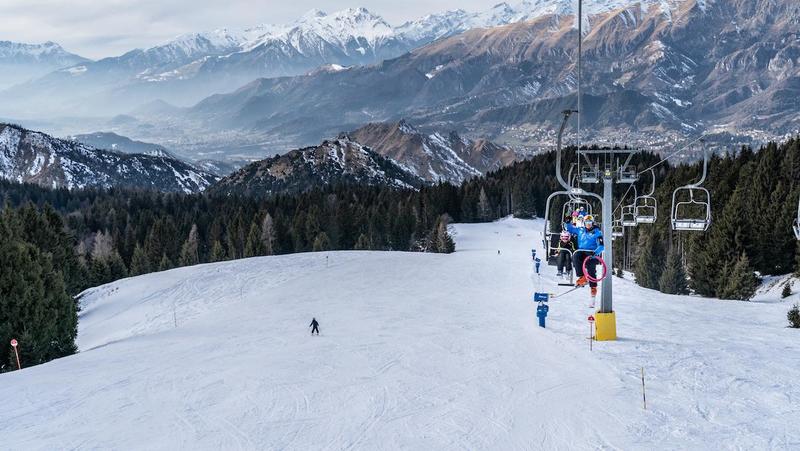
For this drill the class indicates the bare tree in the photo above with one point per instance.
(268, 234)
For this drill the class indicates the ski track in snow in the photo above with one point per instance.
(418, 351)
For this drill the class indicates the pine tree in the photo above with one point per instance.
(189, 251)
(740, 281)
(362, 243)
(254, 247)
(321, 242)
(727, 240)
(165, 263)
(647, 268)
(140, 263)
(35, 307)
(794, 317)
(673, 279)
(444, 243)
(99, 273)
(116, 267)
(787, 290)
(218, 252)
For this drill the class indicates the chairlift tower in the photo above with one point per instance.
(606, 166)
(611, 167)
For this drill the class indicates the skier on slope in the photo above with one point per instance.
(314, 326)
(590, 242)
(566, 246)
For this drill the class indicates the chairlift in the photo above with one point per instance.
(574, 204)
(554, 226)
(627, 174)
(617, 229)
(628, 216)
(646, 205)
(691, 204)
(590, 174)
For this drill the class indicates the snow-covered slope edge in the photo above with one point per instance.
(418, 351)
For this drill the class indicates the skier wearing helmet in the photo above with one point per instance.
(590, 243)
(566, 246)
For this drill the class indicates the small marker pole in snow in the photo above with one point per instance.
(14, 345)
(644, 398)
(591, 334)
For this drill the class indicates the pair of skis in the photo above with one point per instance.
(591, 305)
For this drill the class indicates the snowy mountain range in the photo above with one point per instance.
(657, 73)
(195, 65)
(22, 62)
(433, 156)
(122, 144)
(34, 157)
(339, 161)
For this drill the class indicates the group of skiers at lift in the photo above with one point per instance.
(581, 239)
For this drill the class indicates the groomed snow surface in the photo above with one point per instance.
(418, 351)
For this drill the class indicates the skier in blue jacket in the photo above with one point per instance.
(590, 242)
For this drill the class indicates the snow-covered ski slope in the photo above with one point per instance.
(418, 351)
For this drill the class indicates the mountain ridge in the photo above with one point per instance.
(34, 157)
(337, 161)
(646, 72)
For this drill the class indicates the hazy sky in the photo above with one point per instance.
(98, 28)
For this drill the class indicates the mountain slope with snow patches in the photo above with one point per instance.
(32, 157)
(20, 62)
(434, 156)
(195, 65)
(334, 162)
(417, 351)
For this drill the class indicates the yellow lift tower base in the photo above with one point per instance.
(605, 326)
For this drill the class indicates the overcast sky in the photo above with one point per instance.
(99, 28)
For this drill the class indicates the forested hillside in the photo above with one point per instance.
(754, 198)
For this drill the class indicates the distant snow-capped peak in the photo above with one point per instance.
(49, 49)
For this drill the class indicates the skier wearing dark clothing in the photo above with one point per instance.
(566, 246)
(314, 326)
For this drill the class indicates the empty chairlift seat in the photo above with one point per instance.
(691, 209)
(646, 206)
(628, 218)
(627, 174)
(590, 174)
(646, 210)
(617, 229)
(691, 204)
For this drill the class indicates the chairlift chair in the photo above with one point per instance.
(628, 216)
(617, 229)
(627, 174)
(590, 174)
(574, 204)
(699, 199)
(646, 210)
(647, 205)
(683, 221)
